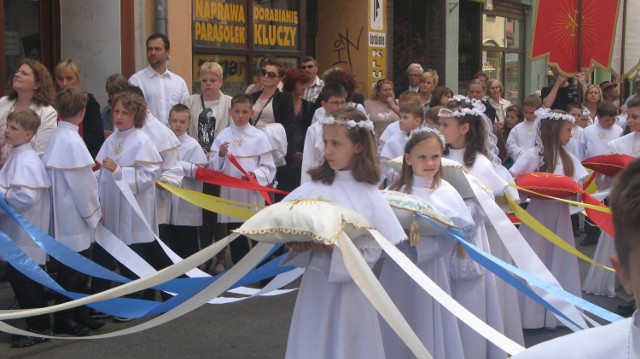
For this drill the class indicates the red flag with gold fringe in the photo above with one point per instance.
(556, 33)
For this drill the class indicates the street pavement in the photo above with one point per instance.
(254, 328)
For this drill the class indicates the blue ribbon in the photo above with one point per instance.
(504, 270)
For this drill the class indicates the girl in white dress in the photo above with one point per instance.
(332, 319)
(549, 155)
(436, 327)
(462, 124)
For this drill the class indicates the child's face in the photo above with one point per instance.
(241, 113)
(565, 132)
(179, 122)
(577, 114)
(511, 119)
(123, 119)
(444, 99)
(454, 133)
(408, 122)
(424, 158)
(529, 113)
(633, 118)
(16, 135)
(606, 122)
(67, 79)
(210, 83)
(333, 104)
(630, 276)
(583, 121)
(339, 150)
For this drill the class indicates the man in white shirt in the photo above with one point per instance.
(309, 65)
(162, 88)
(413, 73)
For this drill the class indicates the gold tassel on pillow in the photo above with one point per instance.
(460, 252)
(414, 233)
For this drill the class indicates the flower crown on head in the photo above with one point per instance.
(477, 110)
(426, 129)
(547, 114)
(368, 124)
(586, 112)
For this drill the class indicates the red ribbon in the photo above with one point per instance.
(252, 180)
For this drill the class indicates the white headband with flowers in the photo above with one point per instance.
(586, 112)
(368, 124)
(547, 114)
(477, 110)
(426, 129)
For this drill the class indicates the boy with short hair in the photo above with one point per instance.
(411, 117)
(407, 97)
(24, 185)
(76, 206)
(332, 97)
(182, 230)
(572, 146)
(522, 136)
(620, 339)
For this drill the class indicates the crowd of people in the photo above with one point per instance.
(315, 137)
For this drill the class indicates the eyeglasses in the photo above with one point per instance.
(269, 74)
(306, 67)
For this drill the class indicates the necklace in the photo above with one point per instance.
(237, 140)
(118, 148)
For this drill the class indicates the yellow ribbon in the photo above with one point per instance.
(212, 203)
(533, 223)
(575, 203)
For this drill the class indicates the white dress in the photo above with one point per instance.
(24, 184)
(436, 327)
(619, 340)
(555, 216)
(184, 213)
(76, 205)
(251, 148)
(392, 149)
(594, 141)
(332, 319)
(139, 167)
(573, 146)
(600, 281)
(480, 295)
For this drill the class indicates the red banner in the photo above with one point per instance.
(556, 33)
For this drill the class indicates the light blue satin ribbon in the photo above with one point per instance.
(504, 270)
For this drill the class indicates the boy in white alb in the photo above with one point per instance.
(24, 185)
(411, 116)
(182, 231)
(129, 162)
(76, 206)
(251, 148)
(523, 135)
(594, 141)
(332, 97)
(578, 113)
(618, 340)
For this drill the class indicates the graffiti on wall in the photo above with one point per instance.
(345, 46)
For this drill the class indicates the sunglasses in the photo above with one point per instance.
(269, 74)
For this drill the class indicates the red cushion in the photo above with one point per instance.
(548, 184)
(608, 165)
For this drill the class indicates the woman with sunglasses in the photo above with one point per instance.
(32, 87)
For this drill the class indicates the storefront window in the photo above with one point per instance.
(21, 34)
(238, 33)
(503, 53)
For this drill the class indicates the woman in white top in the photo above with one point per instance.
(32, 87)
(496, 91)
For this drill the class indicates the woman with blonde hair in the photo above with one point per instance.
(592, 99)
(382, 108)
(428, 83)
(496, 91)
(67, 75)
